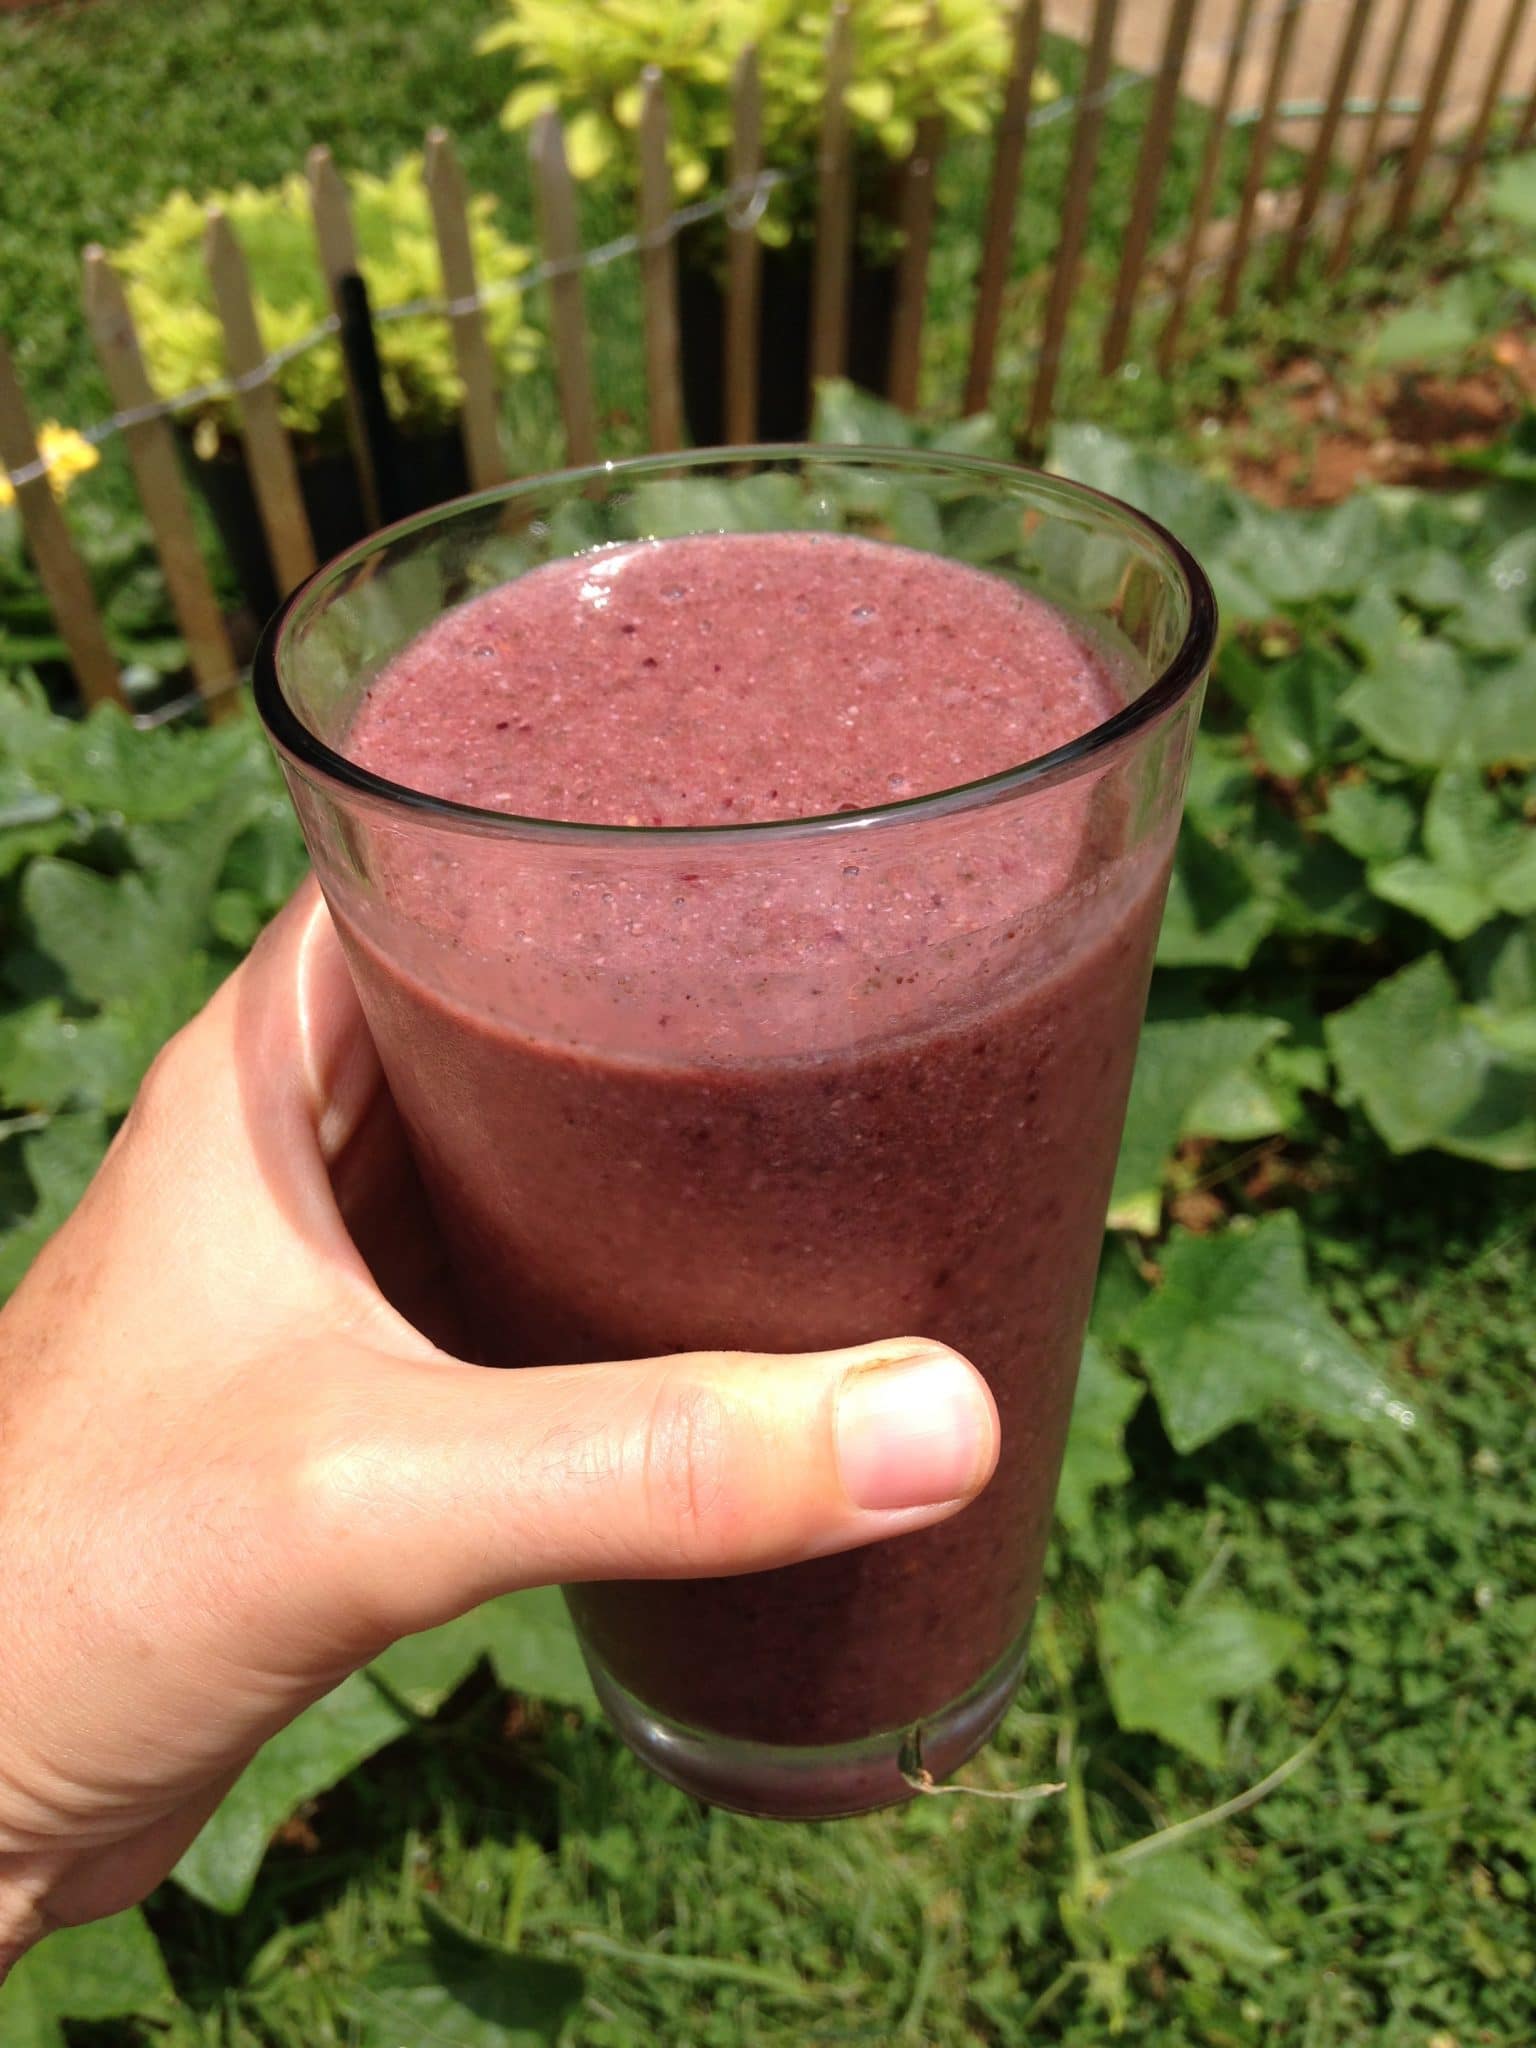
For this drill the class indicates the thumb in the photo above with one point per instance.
(466, 1482)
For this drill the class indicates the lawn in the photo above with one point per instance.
(1296, 1546)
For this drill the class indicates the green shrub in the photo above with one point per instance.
(583, 58)
(167, 283)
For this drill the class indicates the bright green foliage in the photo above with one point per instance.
(1168, 1667)
(456, 1987)
(129, 588)
(1233, 1331)
(584, 59)
(106, 1970)
(172, 300)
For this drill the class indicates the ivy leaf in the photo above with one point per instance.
(305, 1759)
(1175, 1899)
(1297, 719)
(533, 1647)
(527, 1637)
(1414, 705)
(1372, 823)
(1425, 1075)
(1501, 719)
(847, 417)
(1106, 1399)
(1235, 1331)
(1214, 917)
(1167, 1669)
(457, 1990)
(59, 1160)
(1439, 328)
(1177, 1063)
(106, 1970)
(1480, 860)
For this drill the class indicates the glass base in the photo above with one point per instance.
(774, 1781)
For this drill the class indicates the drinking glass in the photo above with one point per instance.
(776, 1087)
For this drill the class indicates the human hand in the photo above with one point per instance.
(231, 1470)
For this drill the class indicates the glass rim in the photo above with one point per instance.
(1165, 693)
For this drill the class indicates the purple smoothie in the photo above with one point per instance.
(772, 1103)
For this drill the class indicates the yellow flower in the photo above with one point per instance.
(66, 454)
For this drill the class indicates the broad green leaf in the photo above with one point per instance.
(51, 1061)
(1243, 1105)
(1214, 916)
(1177, 1062)
(533, 1647)
(1175, 1899)
(1425, 1075)
(1234, 1332)
(457, 1990)
(60, 1160)
(1414, 705)
(1511, 191)
(1501, 717)
(1439, 328)
(1375, 626)
(848, 417)
(307, 1758)
(106, 1970)
(527, 1637)
(1106, 1399)
(1167, 1669)
(1451, 905)
(1297, 719)
(1434, 580)
(424, 1670)
(1118, 1292)
(1372, 823)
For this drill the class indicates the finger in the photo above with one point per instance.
(454, 1484)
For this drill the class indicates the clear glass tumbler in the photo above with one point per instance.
(663, 1098)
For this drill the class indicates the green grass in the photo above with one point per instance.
(1395, 1868)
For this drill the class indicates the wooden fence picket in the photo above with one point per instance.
(157, 473)
(1429, 114)
(560, 237)
(834, 208)
(1216, 136)
(1527, 127)
(1150, 169)
(1003, 204)
(1320, 162)
(1370, 148)
(915, 219)
(336, 245)
(658, 271)
(744, 257)
(1258, 161)
(480, 416)
(268, 451)
(66, 585)
(1476, 143)
(1081, 167)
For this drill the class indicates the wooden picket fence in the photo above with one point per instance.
(143, 416)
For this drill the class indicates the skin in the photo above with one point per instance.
(232, 1469)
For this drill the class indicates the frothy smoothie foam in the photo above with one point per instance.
(789, 1105)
